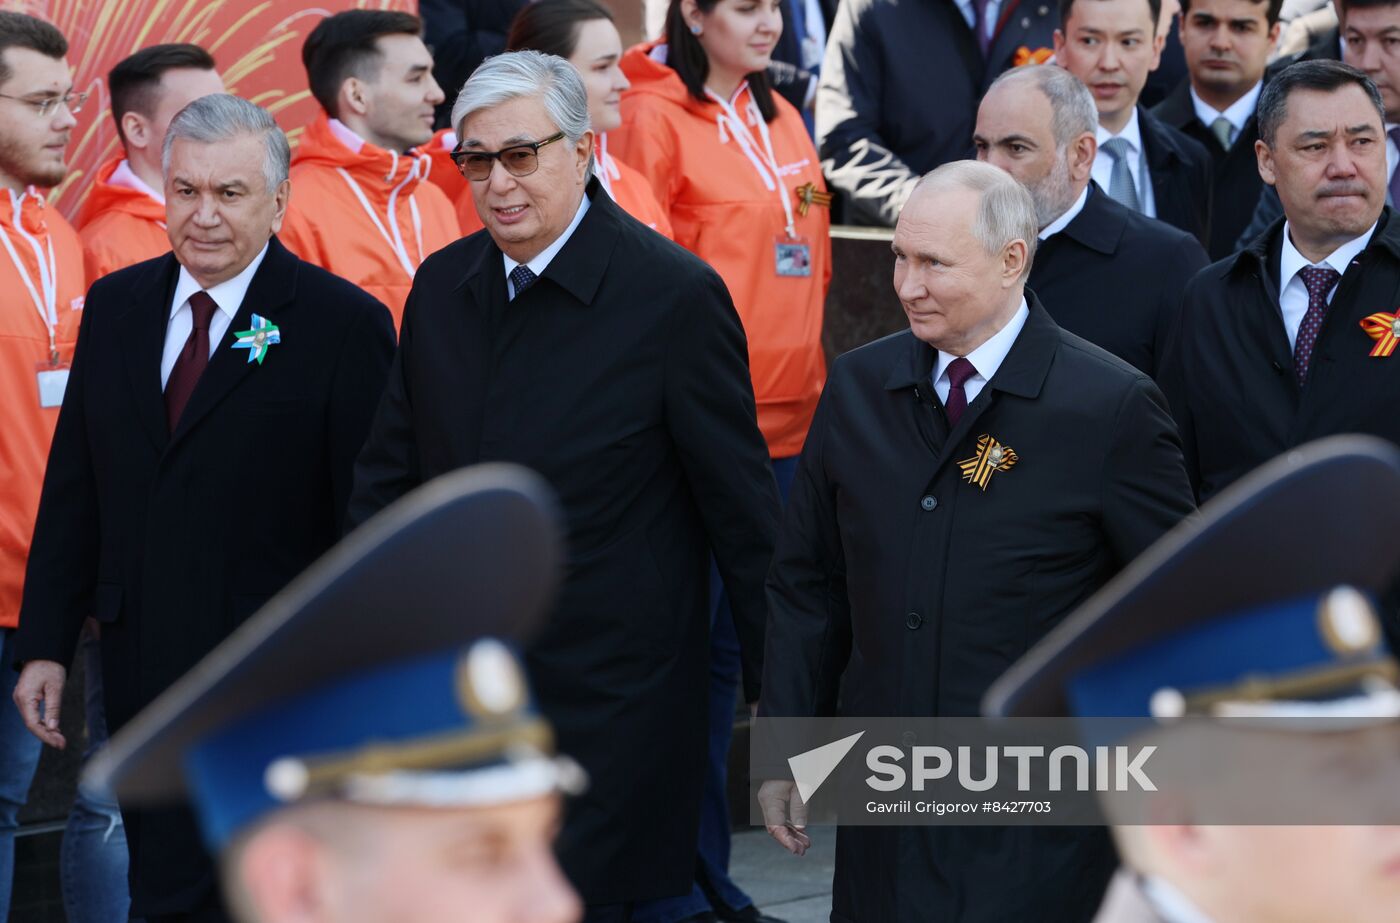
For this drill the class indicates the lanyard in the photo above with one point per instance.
(607, 168)
(396, 243)
(48, 275)
(737, 127)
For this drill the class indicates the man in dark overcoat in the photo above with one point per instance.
(574, 340)
(965, 485)
(203, 454)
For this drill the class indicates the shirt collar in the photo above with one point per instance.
(1062, 222)
(346, 136)
(1173, 906)
(538, 264)
(1131, 133)
(988, 357)
(228, 295)
(1237, 114)
(126, 178)
(1291, 262)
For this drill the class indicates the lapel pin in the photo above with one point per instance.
(263, 334)
(991, 457)
(1385, 330)
(808, 195)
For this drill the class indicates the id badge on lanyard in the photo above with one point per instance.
(792, 255)
(51, 374)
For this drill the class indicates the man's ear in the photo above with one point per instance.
(1013, 262)
(281, 872)
(1265, 157)
(136, 130)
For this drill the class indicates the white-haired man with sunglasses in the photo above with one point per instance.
(575, 340)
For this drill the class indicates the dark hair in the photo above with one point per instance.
(134, 80)
(1360, 5)
(1270, 15)
(687, 58)
(1324, 76)
(1153, 6)
(344, 46)
(20, 30)
(552, 26)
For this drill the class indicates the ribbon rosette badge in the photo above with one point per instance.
(1385, 330)
(991, 457)
(263, 334)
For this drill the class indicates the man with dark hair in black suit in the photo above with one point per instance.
(574, 340)
(1293, 338)
(1227, 46)
(1142, 163)
(203, 454)
(1103, 271)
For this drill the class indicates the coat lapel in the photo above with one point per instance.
(143, 344)
(271, 295)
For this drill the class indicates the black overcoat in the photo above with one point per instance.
(172, 540)
(621, 375)
(1182, 175)
(925, 587)
(1114, 277)
(1229, 369)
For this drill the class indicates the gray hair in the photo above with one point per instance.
(223, 117)
(1006, 211)
(1317, 76)
(519, 74)
(1071, 104)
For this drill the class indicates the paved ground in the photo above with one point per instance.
(791, 889)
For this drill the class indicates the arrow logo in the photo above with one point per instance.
(810, 769)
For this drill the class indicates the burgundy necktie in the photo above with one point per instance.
(192, 360)
(959, 371)
(1319, 281)
(984, 35)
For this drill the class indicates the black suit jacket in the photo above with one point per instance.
(1235, 183)
(622, 377)
(1229, 369)
(1182, 175)
(1114, 277)
(926, 588)
(172, 540)
(899, 90)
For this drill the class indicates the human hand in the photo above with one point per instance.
(784, 815)
(38, 696)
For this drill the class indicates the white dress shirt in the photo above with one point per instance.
(538, 264)
(1237, 114)
(1170, 903)
(969, 12)
(986, 359)
(1293, 294)
(227, 295)
(1062, 222)
(1102, 171)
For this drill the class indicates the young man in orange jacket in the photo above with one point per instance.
(362, 209)
(41, 300)
(122, 221)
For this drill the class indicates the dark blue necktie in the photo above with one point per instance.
(522, 278)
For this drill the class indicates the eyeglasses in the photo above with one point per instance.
(46, 106)
(519, 159)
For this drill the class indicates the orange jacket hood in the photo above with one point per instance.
(104, 197)
(645, 67)
(379, 172)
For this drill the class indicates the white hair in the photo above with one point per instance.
(520, 74)
(1006, 211)
(223, 117)
(1072, 108)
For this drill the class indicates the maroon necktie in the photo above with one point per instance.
(192, 360)
(1319, 281)
(959, 371)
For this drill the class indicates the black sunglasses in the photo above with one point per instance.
(518, 159)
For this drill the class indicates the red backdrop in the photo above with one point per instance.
(257, 46)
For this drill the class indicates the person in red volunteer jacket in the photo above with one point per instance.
(41, 300)
(122, 221)
(362, 209)
(732, 164)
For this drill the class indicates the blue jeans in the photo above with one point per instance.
(19, 754)
(713, 888)
(93, 857)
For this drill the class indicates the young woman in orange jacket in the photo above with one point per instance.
(732, 164)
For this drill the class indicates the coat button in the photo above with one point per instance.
(909, 738)
(928, 503)
(1026, 22)
(1044, 10)
(913, 620)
